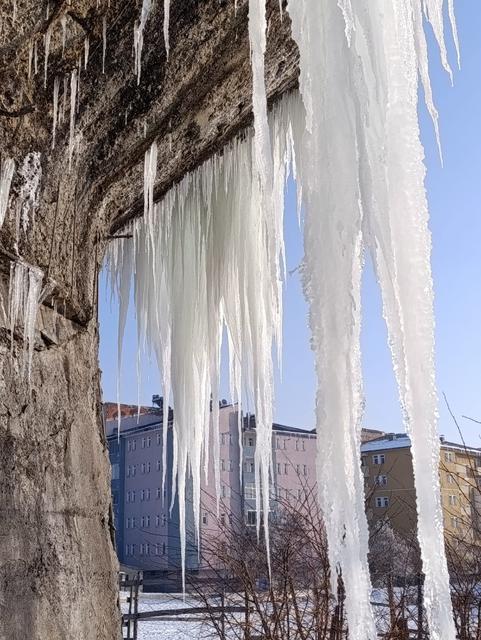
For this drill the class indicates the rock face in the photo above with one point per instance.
(57, 562)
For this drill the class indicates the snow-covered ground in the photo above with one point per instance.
(168, 629)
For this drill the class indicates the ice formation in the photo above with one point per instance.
(166, 25)
(210, 254)
(56, 87)
(30, 174)
(24, 296)
(204, 258)
(360, 165)
(139, 36)
(6, 175)
(104, 41)
(73, 93)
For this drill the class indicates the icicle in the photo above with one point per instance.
(6, 175)
(208, 255)
(166, 25)
(30, 59)
(359, 158)
(86, 51)
(35, 57)
(14, 12)
(25, 293)
(30, 175)
(139, 36)
(47, 38)
(63, 22)
(263, 396)
(56, 86)
(73, 93)
(104, 41)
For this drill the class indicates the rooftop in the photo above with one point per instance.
(403, 441)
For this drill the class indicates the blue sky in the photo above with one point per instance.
(454, 193)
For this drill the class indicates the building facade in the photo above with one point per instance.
(390, 492)
(147, 530)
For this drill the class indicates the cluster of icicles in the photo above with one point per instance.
(210, 256)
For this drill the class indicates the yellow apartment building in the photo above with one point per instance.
(390, 493)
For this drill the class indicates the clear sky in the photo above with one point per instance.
(454, 193)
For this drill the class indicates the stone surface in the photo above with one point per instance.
(57, 564)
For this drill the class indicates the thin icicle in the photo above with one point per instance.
(139, 36)
(30, 59)
(86, 51)
(63, 22)
(30, 175)
(73, 93)
(104, 41)
(47, 39)
(263, 378)
(6, 175)
(56, 86)
(166, 25)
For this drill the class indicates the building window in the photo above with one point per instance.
(159, 438)
(164, 519)
(250, 492)
(115, 471)
(382, 502)
(159, 465)
(115, 498)
(249, 466)
(127, 523)
(142, 522)
(251, 518)
(286, 469)
(142, 467)
(378, 458)
(299, 494)
(455, 522)
(449, 456)
(225, 491)
(132, 523)
(133, 470)
(450, 478)
(222, 465)
(142, 495)
(131, 445)
(249, 441)
(147, 494)
(143, 446)
(453, 500)
(163, 548)
(127, 471)
(149, 441)
(205, 518)
(305, 470)
(381, 481)
(147, 521)
(157, 521)
(127, 550)
(158, 493)
(141, 549)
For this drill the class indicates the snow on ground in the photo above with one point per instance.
(168, 629)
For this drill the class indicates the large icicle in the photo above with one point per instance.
(263, 377)
(6, 175)
(327, 165)
(166, 25)
(401, 245)
(362, 149)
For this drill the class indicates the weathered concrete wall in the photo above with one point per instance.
(57, 567)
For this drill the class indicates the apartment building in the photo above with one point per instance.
(147, 533)
(390, 492)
